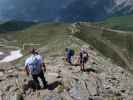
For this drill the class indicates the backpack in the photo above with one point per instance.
(35, 65)
(85, 56)
(72, 52)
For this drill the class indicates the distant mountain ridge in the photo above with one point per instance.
(63, 10)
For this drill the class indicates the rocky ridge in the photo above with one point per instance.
(102, 80)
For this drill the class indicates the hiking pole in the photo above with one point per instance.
(18, 84)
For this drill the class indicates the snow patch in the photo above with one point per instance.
(14, 55)
(1, 53)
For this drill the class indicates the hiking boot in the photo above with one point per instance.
(45, 86)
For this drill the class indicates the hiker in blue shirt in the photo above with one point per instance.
(69, 54)
(34, 65)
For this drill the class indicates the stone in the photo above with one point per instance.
(1, 92)
(10, 70)
(95, 98)
(16, 97)
(92, 88)
(13, 89)
(75, 93)
(8, 87)
(53, 97)
(67, 95)
(79, 93)
(1, 74)
(12, 75)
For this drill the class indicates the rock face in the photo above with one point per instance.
(102, 80)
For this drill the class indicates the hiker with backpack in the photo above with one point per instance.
(69, 55)
(82, 59)
(35, 65)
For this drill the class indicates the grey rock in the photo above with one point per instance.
(8, 87)
(79, 93)
(95, 98)
(1, 73)
(53, 97)
(16, 97)
(13, 89)
(1, 92)
(75, 93)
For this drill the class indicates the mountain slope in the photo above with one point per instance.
(119, 23)
(62, 10)
(116, 45)
(103, 79)
(87, 10)
(53, 38)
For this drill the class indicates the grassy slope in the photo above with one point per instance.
(119, 23)
(38, 34)
(52, 37)
(55, 37)
(117, 46)
(9, 26)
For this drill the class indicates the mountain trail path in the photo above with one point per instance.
(102, 80)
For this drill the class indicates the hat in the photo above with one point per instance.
(33, 51)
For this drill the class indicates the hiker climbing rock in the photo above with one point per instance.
(82, 59)
(34, 65)
(69, 54)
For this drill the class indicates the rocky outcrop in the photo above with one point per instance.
(102, 80)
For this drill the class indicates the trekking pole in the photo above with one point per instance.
(18, 84)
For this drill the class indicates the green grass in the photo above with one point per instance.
(119, 23)
(39, 34)
(115, 45)
(52, 38)
(14, 26)
(55, 37)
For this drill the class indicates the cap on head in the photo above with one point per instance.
(83, 50)
(33, 51)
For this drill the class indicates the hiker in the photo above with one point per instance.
(69, 54)
(82, 59)
(34, 65)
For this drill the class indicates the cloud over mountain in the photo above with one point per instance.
(64, 10)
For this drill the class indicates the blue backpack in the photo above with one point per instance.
(72, 52)
(35, 65)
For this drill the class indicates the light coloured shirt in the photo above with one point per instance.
(34, 64)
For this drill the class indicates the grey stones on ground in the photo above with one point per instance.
(16, 97)
(78, 94)
(53, 97)
(101, 81)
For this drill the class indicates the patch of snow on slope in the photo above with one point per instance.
(14, 55)
(1, 53)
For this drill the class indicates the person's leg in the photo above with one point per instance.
(69, 60)
(84, 62)
(41, 75)
(35, 78)
(83, 66)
